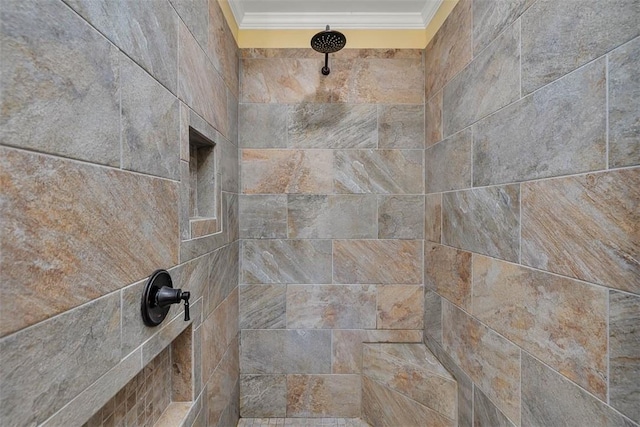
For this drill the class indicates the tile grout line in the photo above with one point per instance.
(606, 112)
(608, 353)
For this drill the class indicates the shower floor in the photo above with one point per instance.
(302, 422)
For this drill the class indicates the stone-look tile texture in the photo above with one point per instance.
(401, 217)
(571, 405)
(401, 126)
(377, 261)
(433, 119)
(263, 396)
(67, 103)
(263, 306)
(483, 220)
(624, 361)
(558, 37)
(447, 271)
(490, 18)
(447, 164)
(485, 412)
(432, 316)
(323, 395)
(432, 217)
(624, 92)
(489, 83)
(400, 307)
(561, 321)
(492, 362)
(558, 130)
(222, 48)
(266, 125)
(195, 15)
(263, 216)
(585, 226)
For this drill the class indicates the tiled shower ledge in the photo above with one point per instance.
(302, 422)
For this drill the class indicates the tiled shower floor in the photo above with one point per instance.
(302, 422)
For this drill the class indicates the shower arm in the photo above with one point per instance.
(325, 69)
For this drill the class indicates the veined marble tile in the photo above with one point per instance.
(561, 321)
(332, 126)
(383, 407)
(150, 124)
(377, 261)
(485, 412)
(624, 357)
(401, 126)
(450, 49)
(490, 82)
(549, 399)
(432, 217)
(347, 346)
(323, 395)
(400, 307)
(447, 165)
(286, 261)
(45, 366)
(401, 217)
(433, 119)
(145, 31)
(332, 216)
(585, 226)
(263, 125)
(492, 362)
(447, 271)
(222, 48)
(483, 220)
(286, 171)
(293, 351)
(558, 130)
(331, 307)
(60, 83)
(624, 92)
(66, 223)
(558, 37)
(491, 17)
(432, 316)
(378, 171)
(263, 306)
(263, 396)
(263, 216)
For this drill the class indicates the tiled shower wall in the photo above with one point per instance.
(532, 280)
(97, 100)
(331, 217)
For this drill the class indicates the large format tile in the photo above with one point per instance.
(323, 395)
(222, 48)
(433, 119)
(400, 307)
(263, 216)
(492, 362)
(331, 307)
(286, 261)
(485, 412)
(60, 83)
(401, 217)
(491, 17)
(401, 126)
(432, 316)
(558, 130)
(66, 224)
(331, 217)
(450, 49)
(377, 261)
(263, 306)
(489, 83)
(558, 37)
(286, 351)
(585, 226)
(624, 92)
(549, 399)
(432, 217)
(150, 124)
(447, 165)
(447, 271)
(286, 171)
(195, 15)
(263, 396)
(332, 126)
(378, 171)
(65, 355)
(561, 321)
(146, 31)
(263, 125)
(221, 391)
(624, 357)
(483, 220)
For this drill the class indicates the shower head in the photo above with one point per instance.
(328, 41)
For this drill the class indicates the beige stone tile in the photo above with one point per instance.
(377, 261)
(400, 217)
(263, 396)
(323, 395)
(262, 306)
(400, 307)
(401, 126)
(492, 362)
(432, 316)
(432, 217)
(486, 413)
(66, 224)
(222, 48)
(561, 321)
(433, 119)
(286, 171)
(448, 272)
(585, 227)
(221, 387)
(447, 165)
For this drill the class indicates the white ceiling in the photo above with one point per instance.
(345, 14)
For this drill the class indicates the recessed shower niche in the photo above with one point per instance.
(204, 186)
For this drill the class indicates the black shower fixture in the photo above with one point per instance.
(328, 41)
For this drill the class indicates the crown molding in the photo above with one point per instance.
(429, 11)
(237, 9)
(284, 21)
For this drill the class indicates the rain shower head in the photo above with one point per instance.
(328, 41)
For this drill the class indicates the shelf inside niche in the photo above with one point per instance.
(204, 186)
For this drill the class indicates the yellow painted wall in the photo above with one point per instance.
(356, 39)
